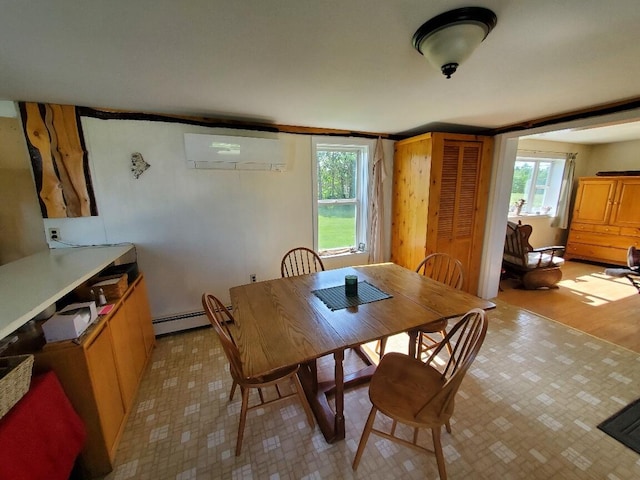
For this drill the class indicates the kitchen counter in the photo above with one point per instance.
(31, 284)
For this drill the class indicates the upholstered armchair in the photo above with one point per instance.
(536, 267)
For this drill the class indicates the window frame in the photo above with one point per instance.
(553, 184)
(364, 147)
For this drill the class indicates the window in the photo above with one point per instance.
(537, 178)
(340, 188)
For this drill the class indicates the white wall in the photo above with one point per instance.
(614, 156)
(197, 230)
(583, 160)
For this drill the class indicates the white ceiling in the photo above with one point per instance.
(343, 64)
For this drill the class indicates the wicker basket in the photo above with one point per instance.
(15, 379)
(115, 287)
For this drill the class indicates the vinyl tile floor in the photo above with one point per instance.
(527, 409)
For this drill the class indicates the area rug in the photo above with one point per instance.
(624, 426)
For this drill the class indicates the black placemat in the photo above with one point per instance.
(336, 299)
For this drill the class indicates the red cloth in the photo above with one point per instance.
(41, 436)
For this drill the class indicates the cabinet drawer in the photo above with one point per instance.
(597, 253)
(582, 227)
(601, 239)
(630, 232)
(606, 229)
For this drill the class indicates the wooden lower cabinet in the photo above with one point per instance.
(101, 373)
(129, 349)
(109, 409)
(605, 220)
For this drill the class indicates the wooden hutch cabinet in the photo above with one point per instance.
(606, 219)
(100, 372)
(440, 195)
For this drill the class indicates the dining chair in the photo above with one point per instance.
(421, 394)
(220, 318)
(300, 261)
(445, 269)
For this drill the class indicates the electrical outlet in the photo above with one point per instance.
(252, 277)
(54, 234)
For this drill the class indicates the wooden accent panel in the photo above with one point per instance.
(59, 160)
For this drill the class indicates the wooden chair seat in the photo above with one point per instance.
(535, 267)
(399, 374)
(276, 376)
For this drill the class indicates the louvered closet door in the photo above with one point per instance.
(458, 199)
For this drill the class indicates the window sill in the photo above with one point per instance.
(339, 253)
(529, 215)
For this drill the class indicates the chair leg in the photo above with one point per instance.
(365, 436)
(303, 400)
(233, 390)
(437, 447)
(243, 418)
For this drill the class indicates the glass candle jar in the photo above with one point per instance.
(351, 285)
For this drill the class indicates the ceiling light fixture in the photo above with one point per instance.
(449, 38)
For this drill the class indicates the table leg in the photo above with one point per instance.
(413, 340)
(331, 421)
(339, 394)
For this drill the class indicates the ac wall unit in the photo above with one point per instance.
(228, 152)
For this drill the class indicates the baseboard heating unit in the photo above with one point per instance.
(179, 322)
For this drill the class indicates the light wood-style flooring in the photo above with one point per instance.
(588, 300)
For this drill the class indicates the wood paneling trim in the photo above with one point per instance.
(107, 114)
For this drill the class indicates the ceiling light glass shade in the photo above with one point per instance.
(449, 39)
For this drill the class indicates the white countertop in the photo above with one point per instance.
(31, 284)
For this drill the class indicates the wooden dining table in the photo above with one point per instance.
(282, 322)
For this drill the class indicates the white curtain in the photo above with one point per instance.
(376, 205)
(561, 220)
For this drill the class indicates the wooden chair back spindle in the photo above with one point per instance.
(442, 268)
(300, 261)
